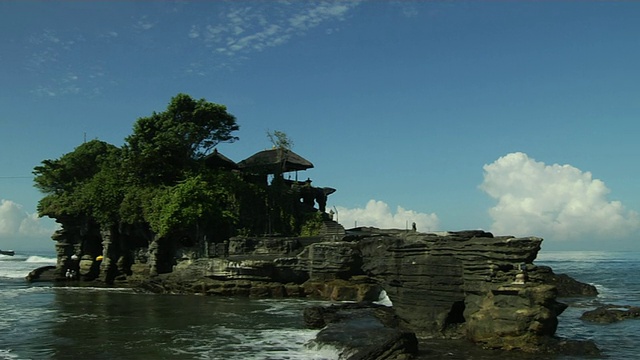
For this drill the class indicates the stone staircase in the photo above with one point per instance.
(331, 231)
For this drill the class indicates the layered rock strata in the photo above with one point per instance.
(467, 284)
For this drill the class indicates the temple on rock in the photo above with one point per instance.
(269, 166)
(468, 284)
(271, 203)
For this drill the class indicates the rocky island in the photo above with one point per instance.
(170, 214)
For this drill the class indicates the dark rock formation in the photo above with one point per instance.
(361, 332)
(566, 285)
(44, 273)
(456, 285)
(468, 284)
(607, 314)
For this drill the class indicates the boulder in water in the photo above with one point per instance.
(362, 331)
(607, 314)
(44, 273)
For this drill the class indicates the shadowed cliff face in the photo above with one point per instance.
(468, 284)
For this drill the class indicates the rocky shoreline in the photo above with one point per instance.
(466, 286)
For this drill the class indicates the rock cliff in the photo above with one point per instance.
(456, 285)
(459, 284)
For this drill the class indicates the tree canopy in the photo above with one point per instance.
(155, 173)
(165, 145)
(159, 180)
(77, 182)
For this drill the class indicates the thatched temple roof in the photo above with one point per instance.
(217, 160)
(275, 161)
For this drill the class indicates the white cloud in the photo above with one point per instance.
(16, 223)
(378, 214)
(558, 202)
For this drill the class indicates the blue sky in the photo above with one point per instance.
(519, 118)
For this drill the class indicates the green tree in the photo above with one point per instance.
(66, 181)
(166, 146)
(178, 209)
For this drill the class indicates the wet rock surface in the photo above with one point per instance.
(566, 285)
(44, 273)
(362, 332)
(609, 313)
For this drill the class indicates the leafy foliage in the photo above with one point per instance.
(69, 181)
(165, 145)
(159, 181)
(312, 225)
(186, 204)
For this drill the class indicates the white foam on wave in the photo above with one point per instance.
(383, 299)
(24, 290)
(41, 259)
(322, 352)
(19, 266)
(96, 288)
(250, 344)
(6, 354)
(291, 307)
(14, 273)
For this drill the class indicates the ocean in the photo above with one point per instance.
(45, 321)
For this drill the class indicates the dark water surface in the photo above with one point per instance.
(42, 321)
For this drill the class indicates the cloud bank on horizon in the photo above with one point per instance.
(557, 202)
(378, 214)
(21, 229)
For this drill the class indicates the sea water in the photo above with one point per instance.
(48, 321)
(616, 275)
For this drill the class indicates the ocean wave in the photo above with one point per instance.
(20, 266)
(7, 294)
(28, 258)
(6, 354)
(250, 344)
(85, 289)
(41, 259)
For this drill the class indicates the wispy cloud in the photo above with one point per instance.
(247, 29)
(209, 37)
(52, 60)
(144, 23)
